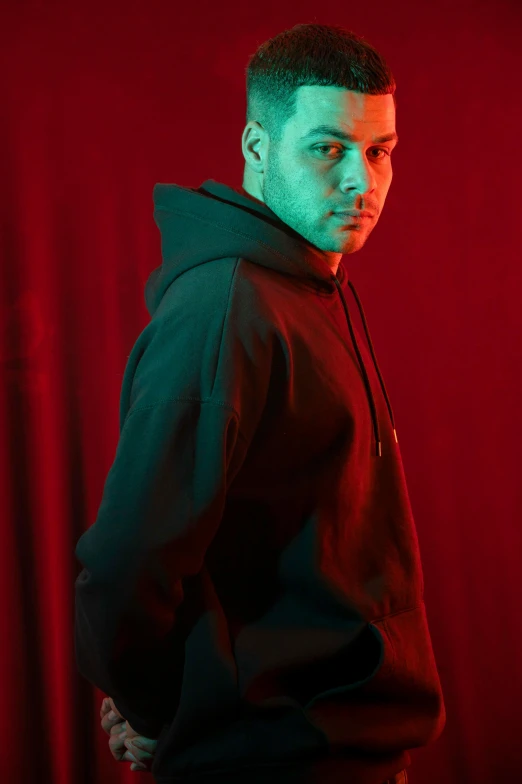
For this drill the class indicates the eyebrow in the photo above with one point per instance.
(330, 130)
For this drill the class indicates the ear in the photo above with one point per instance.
(253, 145)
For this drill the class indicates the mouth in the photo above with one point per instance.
(355, 215)
(352, 222)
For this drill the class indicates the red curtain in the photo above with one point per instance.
(101, 101)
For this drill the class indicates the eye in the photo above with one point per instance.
(328, 147)
(382, 149)
(334, 147)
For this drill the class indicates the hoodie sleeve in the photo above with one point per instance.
(162, 503)
(161, 507)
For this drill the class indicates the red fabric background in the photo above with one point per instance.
(101, 101)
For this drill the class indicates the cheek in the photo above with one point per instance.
(384, 186)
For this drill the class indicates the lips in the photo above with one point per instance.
(355, 214)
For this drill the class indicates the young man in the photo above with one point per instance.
(252, 591)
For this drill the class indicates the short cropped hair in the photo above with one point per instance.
(310, 54)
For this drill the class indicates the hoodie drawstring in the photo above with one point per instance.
(367, 384)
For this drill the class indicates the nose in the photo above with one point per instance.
(357, 174)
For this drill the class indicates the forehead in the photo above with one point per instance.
(317, 104)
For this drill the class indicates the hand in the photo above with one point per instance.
(120, 730)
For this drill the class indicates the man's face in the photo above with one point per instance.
(306, 181)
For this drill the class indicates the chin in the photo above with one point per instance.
(350, 246)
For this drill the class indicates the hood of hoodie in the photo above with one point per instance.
(216, 221)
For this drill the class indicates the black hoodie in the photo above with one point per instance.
(252, 590)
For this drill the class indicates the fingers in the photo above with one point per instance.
(105, 707)
(145, 744)
(107, 724)
(114, 709)
(136, 763)
(123, 749)
(141, 756)
(121, 753)
(116, 744)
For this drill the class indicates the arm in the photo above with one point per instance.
(162, 505)
(180, 447)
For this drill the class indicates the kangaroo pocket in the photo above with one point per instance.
(396, 703)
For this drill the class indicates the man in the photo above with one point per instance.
(252, 592)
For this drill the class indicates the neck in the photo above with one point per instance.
(249, 189)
